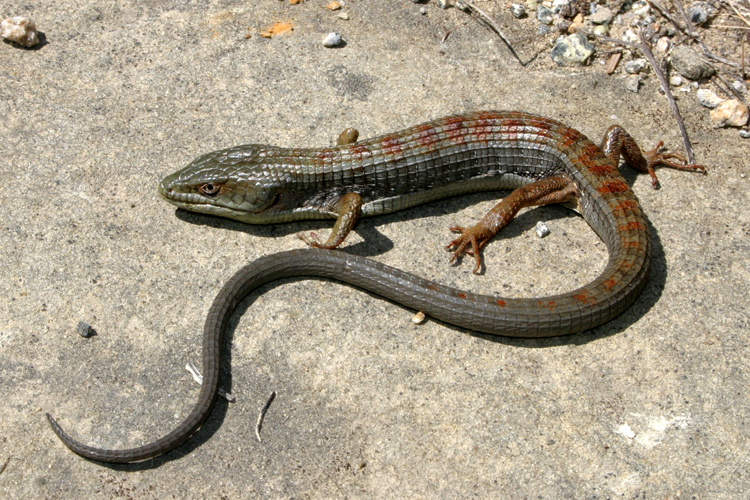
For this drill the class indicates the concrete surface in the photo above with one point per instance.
(652, 405)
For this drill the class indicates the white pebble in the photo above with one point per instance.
(21, 30)
(332, 39)
(541, 229)
(418, 318)
(626, 431)
(708, 98)
(675, 80)
(641, 9)
(731, 113)
(663, 45)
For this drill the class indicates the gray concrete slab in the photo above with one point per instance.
(369, 405)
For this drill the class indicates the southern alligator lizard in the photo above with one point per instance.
(541, 159)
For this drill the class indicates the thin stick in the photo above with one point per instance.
(736, 11)
(7, 461)
(668, 93)
(262, 415)
(487, 19)
(666, 15)
(688, 31)
(729, 87)
(611, 40)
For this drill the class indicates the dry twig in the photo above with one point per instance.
(487, 19)
(646, 49)
(262, 415)
(736, 10)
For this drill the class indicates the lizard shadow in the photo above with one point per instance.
(375, 243)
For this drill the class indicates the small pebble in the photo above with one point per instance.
(708, 98)
(675, 80)
(700, 13)
(333, 6)
(745, 134)
(418, 318)
(630, 36)
(690, 64)
(731, 113)
(641, 9)
(344, 16)
(517, 10)
(572, 50)
(563, 26)
(21, 30)
(423, 11)
(541, 229)
(577, 23)
(601, 30)
(739, 86)
(662, 45)
(603, 15)
(633, 83)
(698, 16)
(544, 15)
(636, 66)
(460, 5)
(332, 40)
(443, 4)
(84, 329)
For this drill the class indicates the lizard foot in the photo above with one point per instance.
(656, 157)
(470, 242)
(312, 240)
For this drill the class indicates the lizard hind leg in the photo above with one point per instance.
(556, 189)
(617, 142)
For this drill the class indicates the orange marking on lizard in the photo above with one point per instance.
(427, 136)
(584, 297)
(359, 151)
(454, 129)
(551, 305)
(390, 144)
(602, 169)
(501, 303)
(631, 226)
(609, 284)
(325, 154)
(613, 186)
(624, 206)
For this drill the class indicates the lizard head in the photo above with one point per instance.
(236, 183)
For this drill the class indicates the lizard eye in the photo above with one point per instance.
(210, 189)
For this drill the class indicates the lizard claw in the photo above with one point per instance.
(655, 157)
(469, 243)
(311, 239)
